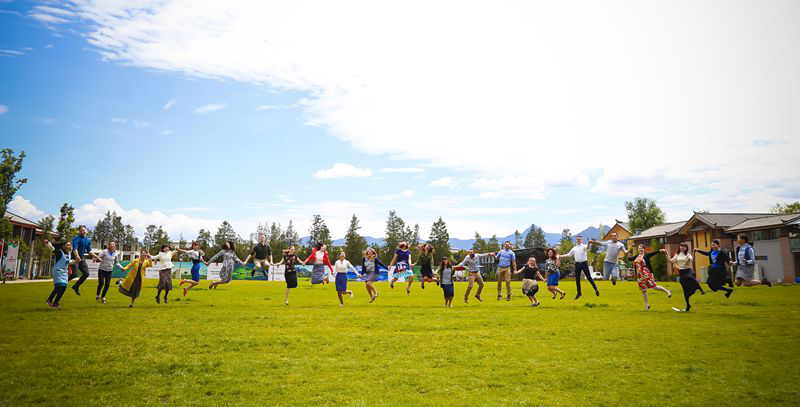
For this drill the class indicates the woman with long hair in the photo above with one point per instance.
(402, 266)
(682, 260)
(369, 266)
(552, 265)
(717, 269)
(289, 273)
(196, 256)
(229, 262)
(644, 275)
(164, 258)
(131, 286)
(109, 258)
(425, 260)
(445, 273)
(745, 263)
(319, 257)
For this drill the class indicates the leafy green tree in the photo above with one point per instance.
(440, 239)
(291, 237)
(643, 213)
(40, 251)
(493, 244)
(10, 166)
(354, 243)
(479, 245)
(567, 263)
(659, 262)
(535, 238)
(319, 232)
(204, 240)
(787, 208)
(66, 218)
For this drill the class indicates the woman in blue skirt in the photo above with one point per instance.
(553, 275)
(340, 272)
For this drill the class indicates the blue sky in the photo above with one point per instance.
(186, 113)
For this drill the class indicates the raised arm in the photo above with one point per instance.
(214, 257)
(394, 260)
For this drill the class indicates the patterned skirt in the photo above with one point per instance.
(225, 274)
(318, 274)
(165, 279)
(646, 279)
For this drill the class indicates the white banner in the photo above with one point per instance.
(151, 272)
(276, 273)
(213, 271)
(94, 266)
(10, 268)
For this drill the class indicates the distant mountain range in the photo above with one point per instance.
(552, 238)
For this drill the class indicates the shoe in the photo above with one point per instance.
(408, 291)
(562, 296)
(597, 293)
(165, 299)
(103, 300)
(613, 281)
(56, 306)
(766, 282)
(499, 297)
(371, 299)
(577, 296)
(391, 284)
(478, 297)
(118, 282)
(423, 284)
(669, 294)
(49, 303)
(466, 300)
(554, 296)
(648, 308)
(536, 304)
(702, 292)
(508, 298)
(97, 299)
(158, 300)
(341, 305)
(351, 294)
(76, 289)
(728, 294)
(130, 306)
(677, 309)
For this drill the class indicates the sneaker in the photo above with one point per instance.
(158, 300)
(76, 289)
(508, 298)
(499, 297)
(478, 297)
(165, 300)
(577, 296)
(97, 299)
(423, 284)
(56, 306)
(564, 294)
(466, 300)
(103, 300)
(669, 294)
(535, 304)
(613, 281)
(49, 303)
(677, 309)
(408, 291)
(766, 282)
(130, 306)
(597, 293)
(372, 298)
(728, 293)
(351, 294)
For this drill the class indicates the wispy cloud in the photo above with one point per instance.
(441, 182)
(343, 170)
(11, 53)
(407, 193)
(118, 120)
(402, 170)
(141, 124)
(166, 132)
(3, 109)
(170, 103)
(212, 107)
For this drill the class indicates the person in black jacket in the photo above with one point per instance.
(717, 270)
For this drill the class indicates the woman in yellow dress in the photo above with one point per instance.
(132, 285)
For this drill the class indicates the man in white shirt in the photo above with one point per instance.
(580, 253)
(613, 249)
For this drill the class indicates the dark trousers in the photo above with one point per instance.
(583, 267)
(55, 295)
(84, 269)
(103, 282)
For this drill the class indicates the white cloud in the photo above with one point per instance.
(212, 107)
(140, 124)
(170, 103)
(118, 120)
(3, 109)
(539, 98)
(406, 193)
(343, 170)
(25, 208)
(48, 18)
(166, 132)
(10, 53)
(49, 46)
(402, 170)
(267, 107)
(441, 182)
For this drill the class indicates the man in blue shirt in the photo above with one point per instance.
(81, 249)
(505, 260)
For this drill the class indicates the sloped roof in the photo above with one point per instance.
(14, 218)
(721, 220)
(764, 222)
(666, 229)
(624, 225)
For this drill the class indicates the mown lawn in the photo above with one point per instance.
(241, 345)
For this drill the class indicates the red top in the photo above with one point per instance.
(325, 260)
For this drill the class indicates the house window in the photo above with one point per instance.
(765, 234)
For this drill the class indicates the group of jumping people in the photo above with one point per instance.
(72, 255)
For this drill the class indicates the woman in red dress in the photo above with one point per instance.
(643, 274)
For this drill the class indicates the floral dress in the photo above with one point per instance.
(229, 261)
(644, 276)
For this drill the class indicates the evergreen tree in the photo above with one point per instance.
(225, 233)
(535, 238)
(277, 240)
(204, 240)
(479, 245)
(319, 232)
(396, 232)
(440, 239)
(493, 245)
(291, 237)
(354, 243)
(517, 239)
(129, 242)
(566, 244)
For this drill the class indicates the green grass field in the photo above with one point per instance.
(241, 345)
